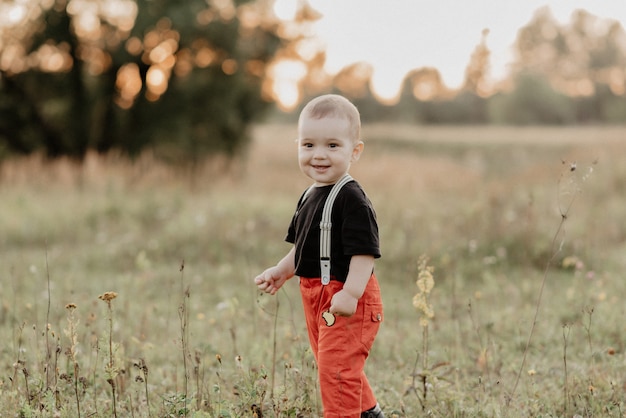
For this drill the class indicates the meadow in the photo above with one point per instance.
(126, 289)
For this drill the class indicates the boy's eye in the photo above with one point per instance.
(333, 145)
(307, 145)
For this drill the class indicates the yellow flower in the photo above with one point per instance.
(425, 283)
(571, 262)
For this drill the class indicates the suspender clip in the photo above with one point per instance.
(325, 270)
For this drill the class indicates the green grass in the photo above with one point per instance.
(483, 204)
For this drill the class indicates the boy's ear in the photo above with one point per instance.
(357, 150)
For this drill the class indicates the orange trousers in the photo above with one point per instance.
(341, 349)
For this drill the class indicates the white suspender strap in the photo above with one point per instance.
(325, 227)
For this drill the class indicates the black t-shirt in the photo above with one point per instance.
(354, 230)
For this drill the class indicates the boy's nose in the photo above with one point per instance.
(319, 153)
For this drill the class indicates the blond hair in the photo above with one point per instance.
(336, 106)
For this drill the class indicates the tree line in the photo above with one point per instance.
(563, 74)
(187, 78)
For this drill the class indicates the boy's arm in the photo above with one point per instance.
(344, 302)
(273, 278)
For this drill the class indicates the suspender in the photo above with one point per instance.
(325, 227)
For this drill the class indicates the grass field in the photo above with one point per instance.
(524, 228)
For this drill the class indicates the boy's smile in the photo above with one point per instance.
(326, 149)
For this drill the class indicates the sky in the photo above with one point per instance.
(396, 36)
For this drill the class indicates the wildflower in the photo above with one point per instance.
(107, 296)
(425, 283)
(572, 262)
(532, 372)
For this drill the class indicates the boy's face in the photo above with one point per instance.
(326, 148)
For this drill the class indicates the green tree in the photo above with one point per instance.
(574, 58)
(532, 102)
(182, 77)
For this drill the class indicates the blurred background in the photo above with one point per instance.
(138, 133)
(187, 79)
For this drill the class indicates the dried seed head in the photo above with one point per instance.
(108, 296)
(70, 306)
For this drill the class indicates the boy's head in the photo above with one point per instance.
(329, 132)
(334, 106)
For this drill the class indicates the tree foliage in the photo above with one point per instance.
(186, 78)
(562, 74)
(181, 77)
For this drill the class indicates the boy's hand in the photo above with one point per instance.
(270, 280)
(343, 303)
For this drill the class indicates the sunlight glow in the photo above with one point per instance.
(87, 25)
(230, 66)
(15, 15)
(226, 9)
(128, 84)
(424, 91)
(256, 68)
(10, 61)
(51, 58)
(204, 57)
(287, 93)
(307, 49)
(96, 60)
(163, 50)
(249, 16)
(156, 80)
(285, 9)
(286, 76)
(121, 13)
(134, 46)
(184, 63)
(386, 83)
(439, 35)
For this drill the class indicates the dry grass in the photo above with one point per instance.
(482, 203)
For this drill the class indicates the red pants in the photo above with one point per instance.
(342, 348)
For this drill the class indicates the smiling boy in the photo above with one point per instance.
(342, 314)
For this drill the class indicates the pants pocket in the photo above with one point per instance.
(372, 317)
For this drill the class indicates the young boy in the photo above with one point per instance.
(343, 314)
